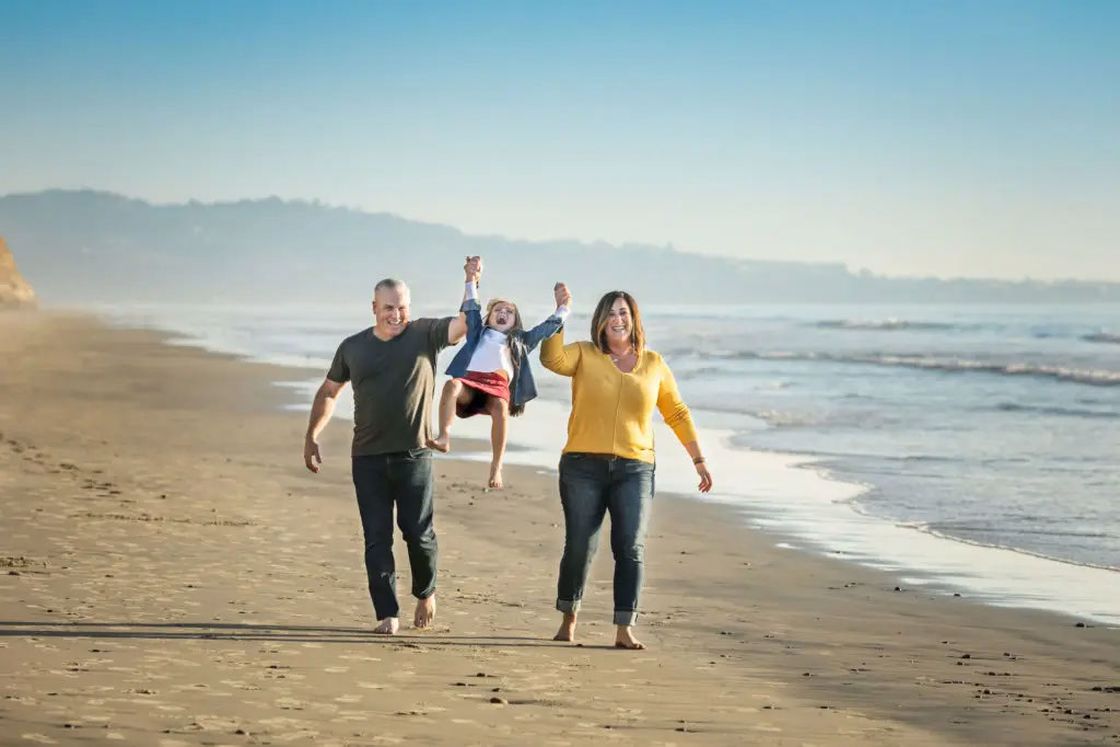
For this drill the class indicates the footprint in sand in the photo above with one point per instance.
(358, 657)
(356, 716)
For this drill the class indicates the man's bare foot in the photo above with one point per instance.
(388, 626)
(624, 638)
(441, 443)
(567, 630)
(496, 478)
(425, 612)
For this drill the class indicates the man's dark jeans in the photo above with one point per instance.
(405, 479)
(590, 486)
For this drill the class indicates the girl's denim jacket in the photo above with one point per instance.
(522, 388)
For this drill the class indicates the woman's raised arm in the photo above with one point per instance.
(555, 355)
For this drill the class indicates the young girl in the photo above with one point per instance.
(491, 373)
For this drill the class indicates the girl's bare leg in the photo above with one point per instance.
(454, 393)
(499, 417)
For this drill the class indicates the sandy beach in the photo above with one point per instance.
(172, 575)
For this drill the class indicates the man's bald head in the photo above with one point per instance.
(391, 301)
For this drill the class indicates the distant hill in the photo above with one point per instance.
(14, 290)
(86, 246)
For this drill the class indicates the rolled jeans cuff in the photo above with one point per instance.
(626, 617)
(568, 606)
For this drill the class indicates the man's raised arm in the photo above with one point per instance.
(472, 272)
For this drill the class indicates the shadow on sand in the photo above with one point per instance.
(249, 632)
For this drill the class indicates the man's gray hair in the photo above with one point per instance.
(390, 284)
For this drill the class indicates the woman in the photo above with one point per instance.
(608, 461)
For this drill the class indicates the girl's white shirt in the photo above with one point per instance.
(492, 353)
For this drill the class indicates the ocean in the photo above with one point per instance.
(968, 449)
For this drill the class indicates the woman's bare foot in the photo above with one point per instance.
(624, 638)
(496, 477)
(567, 630)
(441, 443)
(388, 626)
(425, 612)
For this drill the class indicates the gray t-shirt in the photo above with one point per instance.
(394, 381)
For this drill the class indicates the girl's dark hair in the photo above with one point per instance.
(514, 410)
(517, 325)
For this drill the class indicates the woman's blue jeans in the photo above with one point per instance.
(592, 485)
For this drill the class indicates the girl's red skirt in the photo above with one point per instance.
(480, 385)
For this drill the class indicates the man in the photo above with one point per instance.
(392, 368)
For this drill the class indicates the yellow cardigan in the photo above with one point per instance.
(612, 412)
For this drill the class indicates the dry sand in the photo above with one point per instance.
(172, 575)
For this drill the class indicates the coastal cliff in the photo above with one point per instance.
(14, 290)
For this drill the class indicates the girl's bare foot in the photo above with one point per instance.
(388, 626)
(496, 477)
(425, 612)
(567, 630)
(624, 638)
(441, 443)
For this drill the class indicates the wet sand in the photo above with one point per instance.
(171, 574)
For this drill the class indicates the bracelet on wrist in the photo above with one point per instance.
(698, 460)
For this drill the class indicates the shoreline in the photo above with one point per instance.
(1070, 587)
(184, 469)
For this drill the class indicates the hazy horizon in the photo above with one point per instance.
(935, 140)
(543, 240)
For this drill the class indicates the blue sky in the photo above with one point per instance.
(964, 138)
